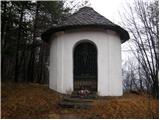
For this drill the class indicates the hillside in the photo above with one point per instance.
(37, 101)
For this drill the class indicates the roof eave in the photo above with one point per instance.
(124, 35)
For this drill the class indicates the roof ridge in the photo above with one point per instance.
(88, 11)
(103, 16)
(79, 11)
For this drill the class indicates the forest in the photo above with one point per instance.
(24, 54)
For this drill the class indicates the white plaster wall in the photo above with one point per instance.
(109, 61)
(115, 73)
(53, 65)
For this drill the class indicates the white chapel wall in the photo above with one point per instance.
(109, 61)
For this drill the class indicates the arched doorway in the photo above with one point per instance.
(85, 66)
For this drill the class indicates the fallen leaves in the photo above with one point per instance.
(38, 101)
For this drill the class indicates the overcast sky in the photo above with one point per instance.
(110, 9)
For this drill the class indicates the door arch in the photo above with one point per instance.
(85, 66)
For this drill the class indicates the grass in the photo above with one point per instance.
(38, 101)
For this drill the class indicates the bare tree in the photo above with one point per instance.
(142, 21)
(130, 76)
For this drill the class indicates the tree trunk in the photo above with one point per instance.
(18, 44)
(3, 28)
(31, 71)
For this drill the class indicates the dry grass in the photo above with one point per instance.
(37, 101)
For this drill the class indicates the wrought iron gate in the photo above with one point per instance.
(85, 66)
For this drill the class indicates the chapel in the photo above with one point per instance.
(85, 51)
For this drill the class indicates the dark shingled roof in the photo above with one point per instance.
(86, 17)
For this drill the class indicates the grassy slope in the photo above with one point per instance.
(37, 101)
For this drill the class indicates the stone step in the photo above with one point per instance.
(67, 104)
(92, 95)
(77, 100)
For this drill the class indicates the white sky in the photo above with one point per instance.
(110, 9)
